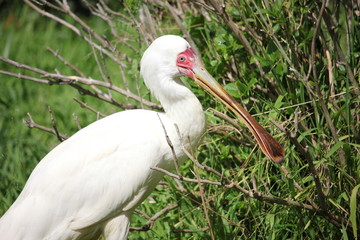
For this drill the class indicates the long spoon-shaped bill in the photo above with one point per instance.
(267, 143)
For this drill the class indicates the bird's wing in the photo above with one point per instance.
(100, 171)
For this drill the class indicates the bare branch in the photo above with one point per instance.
(189, 230)
(53, 122)
(31, 124)
(176, 162)
(90, 108)
(76, 119)
(70, 80)
(66, 63)
(76, 30)
(148, 225)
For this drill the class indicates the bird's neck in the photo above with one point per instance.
(182, 107)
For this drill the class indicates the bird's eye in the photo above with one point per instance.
(182, 59)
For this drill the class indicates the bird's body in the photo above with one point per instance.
(81, 198)
(92, 182)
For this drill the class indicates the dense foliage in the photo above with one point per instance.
(293, 64)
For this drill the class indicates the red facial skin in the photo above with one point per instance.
(186, 61)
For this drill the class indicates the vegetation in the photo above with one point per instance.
(293, 64)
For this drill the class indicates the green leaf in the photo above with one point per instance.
(279, 102)
(337, 205)
(305, 133)
(232, 89)
(353, 210)
(307, 224)
(270, 219)
(334, 149)
(344, 234)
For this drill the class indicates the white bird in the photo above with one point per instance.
(91, 183)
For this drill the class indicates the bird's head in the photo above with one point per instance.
(161, 56)
(170, 56)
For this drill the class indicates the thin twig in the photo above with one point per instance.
(63, 79)
(32, 124)
(74, 29)
(190, 230)
(127, 19)
(53, 122)
(186, 179)
(90, 108)
(76, 119)
(176, 162)
(66, 63)
(179, 22)
(148, 225)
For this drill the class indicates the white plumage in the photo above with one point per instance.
(92, 182)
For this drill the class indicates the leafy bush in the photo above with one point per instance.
(293, 64)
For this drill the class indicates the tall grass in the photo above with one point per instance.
(293, 73)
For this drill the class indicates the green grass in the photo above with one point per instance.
(25, 35)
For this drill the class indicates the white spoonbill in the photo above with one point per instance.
(91, 183)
